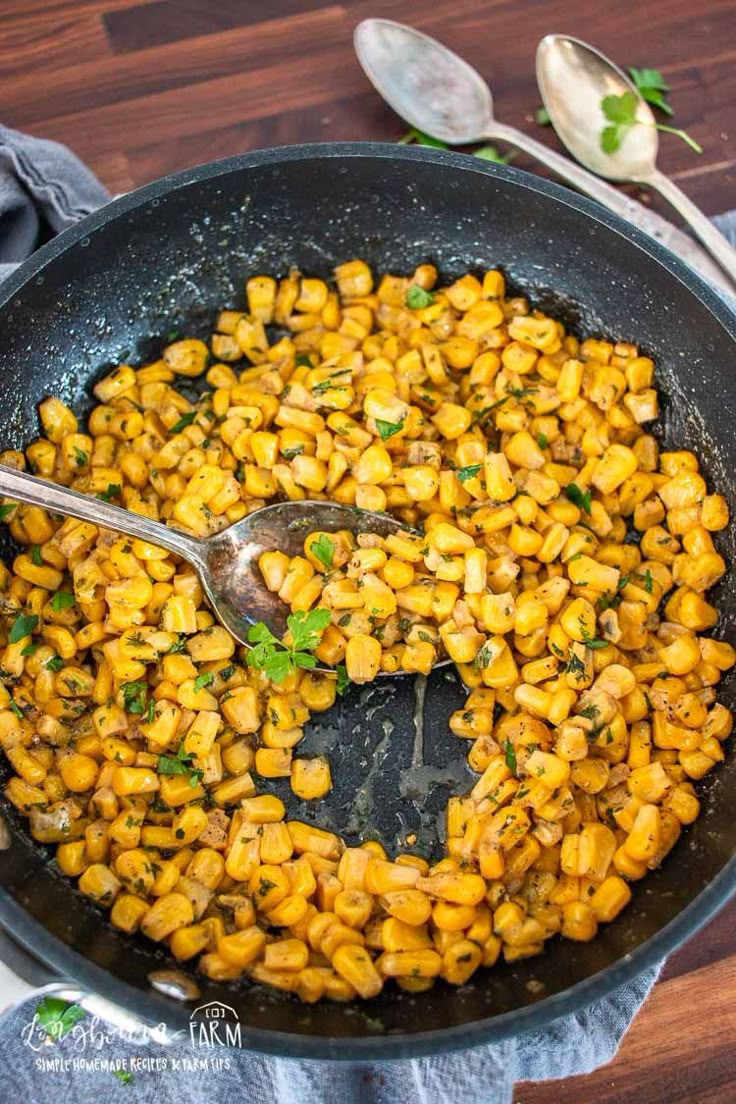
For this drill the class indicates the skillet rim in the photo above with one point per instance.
(148, 1005)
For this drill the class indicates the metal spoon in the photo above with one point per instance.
(573, 79)
(226, 563)
(440, 94)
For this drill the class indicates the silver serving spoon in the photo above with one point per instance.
(573, 79)
(437, 92)
(226, 563)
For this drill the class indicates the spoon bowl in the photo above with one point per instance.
(431, 87)
(227, 562)
(574, 78)
(438, 93)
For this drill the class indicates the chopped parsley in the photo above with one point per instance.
(62, 601)
(135, 697)
(579, 498)
(113, 490)
(22, 626)
(342, 678)
(510, 756)
(468, 472)
(388, 429)
(204, 680)
(323, 549)
(184, 421)
(417, 298)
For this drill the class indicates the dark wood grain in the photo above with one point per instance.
(140, 89)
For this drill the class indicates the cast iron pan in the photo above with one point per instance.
(166, 258)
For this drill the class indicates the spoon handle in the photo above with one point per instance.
(50, 496)
(711, 238)
(649, 221)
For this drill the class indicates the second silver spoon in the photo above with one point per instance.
(439, 93)
(574, 78)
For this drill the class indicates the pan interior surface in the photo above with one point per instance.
(168, 258)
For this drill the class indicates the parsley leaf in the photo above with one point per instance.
(510, 756)
(307, 628)
(541, 116)
(203, 680)
(620, 113)
(468, 472)
(422, 139)
(57, 1017)
(388, 429)
(652, 86)
(417, 298)
(54, 664)
(648, 582)
(62, 601)
(323, 549)
(279, 660)
(542, 440)
(167, 764)
(36, 555)
(579, 498)
(482, 659)
(178, 646)
(113, 490)
(135, 695)
(490, 153)
(184, 421)
(7, 509)
(22, 626)
(80, 457)
(342, 679)
(481, 414)
(303, 361)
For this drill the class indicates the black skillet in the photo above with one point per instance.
(166, 258)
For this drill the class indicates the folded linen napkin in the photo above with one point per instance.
(43, 189)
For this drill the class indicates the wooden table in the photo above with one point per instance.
(142, 89)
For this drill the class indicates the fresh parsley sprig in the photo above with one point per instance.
(57, 1017)
(277, 659)
(652, 86)
(620, 115)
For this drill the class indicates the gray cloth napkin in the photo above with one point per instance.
(485, 1075)
(43, 189)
